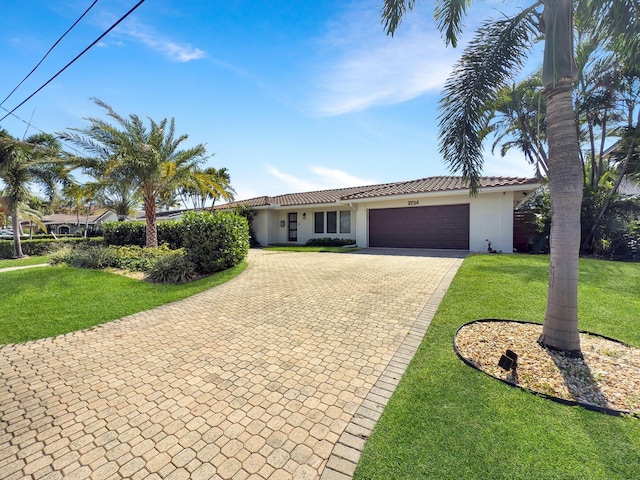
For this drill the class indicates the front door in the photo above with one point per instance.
(293, 227)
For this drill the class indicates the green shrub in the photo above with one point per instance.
(171, 232)
(133, 257)
(215, 241)
(43, 247)
(330, 242)
(124, 233)
(92, 257)
(61, 255)
(134, 233)
(173, 268)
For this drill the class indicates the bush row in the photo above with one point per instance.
(213, 241)
(330, 242)
(43, 246)
(134, 233)
(199, 243)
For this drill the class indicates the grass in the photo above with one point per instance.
(304, 248)
(21, 262)
(45, 302)
(449, 421)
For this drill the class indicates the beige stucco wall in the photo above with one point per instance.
(491, 217)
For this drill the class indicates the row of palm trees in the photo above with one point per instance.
(130, 162)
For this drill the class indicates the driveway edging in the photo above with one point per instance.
(346, 453)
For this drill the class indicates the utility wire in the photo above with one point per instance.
(35, 127)
(76, 58)
(50, 50)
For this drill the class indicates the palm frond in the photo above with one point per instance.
(489, 62)
(448, 16)
(392, 13)
(619, 22)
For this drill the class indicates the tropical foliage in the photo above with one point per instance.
(148, 155)
(491, 62)
(36, 159)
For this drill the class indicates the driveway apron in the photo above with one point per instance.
(280, 373)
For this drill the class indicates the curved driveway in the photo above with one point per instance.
(280, 373)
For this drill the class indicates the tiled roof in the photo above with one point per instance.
(423, 185)
(437, 184)
(66, 218)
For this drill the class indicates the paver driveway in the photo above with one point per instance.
(262, 377)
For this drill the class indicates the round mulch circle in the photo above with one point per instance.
(606, 379)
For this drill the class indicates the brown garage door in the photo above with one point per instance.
(443, 226)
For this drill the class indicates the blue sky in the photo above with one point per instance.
(289, 96)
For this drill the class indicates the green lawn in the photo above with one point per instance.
(449, 421)
(21, 262)
(44, 302)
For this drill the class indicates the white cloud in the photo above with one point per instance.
(339, 178)
(366, 67)
(322, 179)
(173, 51)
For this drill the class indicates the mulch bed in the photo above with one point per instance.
(607, 377)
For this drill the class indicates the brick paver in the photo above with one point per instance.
(263, 377)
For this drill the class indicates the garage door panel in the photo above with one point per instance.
(443, 226)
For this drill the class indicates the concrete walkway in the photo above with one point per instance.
(12, 269)
(280, 373)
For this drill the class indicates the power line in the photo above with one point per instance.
(50, 50)
(35, 127)
(76, 58)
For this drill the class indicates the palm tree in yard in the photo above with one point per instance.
(209, 184)
(147, 155)
(489, 62)
(37, 159)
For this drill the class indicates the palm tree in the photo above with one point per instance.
(120, 196)
(518, 122)
(209, 184)
(24, 162)
(148, 156)
(492, 59)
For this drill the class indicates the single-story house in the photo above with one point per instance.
(61, 223)
(434, 212)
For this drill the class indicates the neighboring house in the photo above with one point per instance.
(162, 215)
(435, 212)
(60, 223)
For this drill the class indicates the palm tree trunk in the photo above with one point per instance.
(15, 223)
(560, 330)
(150, 219)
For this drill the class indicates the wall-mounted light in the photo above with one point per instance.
(304, 215)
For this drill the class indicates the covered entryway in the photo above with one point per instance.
(442, 226)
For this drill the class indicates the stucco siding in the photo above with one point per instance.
(492, 219)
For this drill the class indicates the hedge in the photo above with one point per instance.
(134, 233)
(44, 246)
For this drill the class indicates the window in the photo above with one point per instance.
(332, 222)
(345, 221)
(319, 222)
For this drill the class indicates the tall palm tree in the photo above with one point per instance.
(147, 155)
(21, 164)
(492, 59)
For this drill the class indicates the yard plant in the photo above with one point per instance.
(448, 421)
